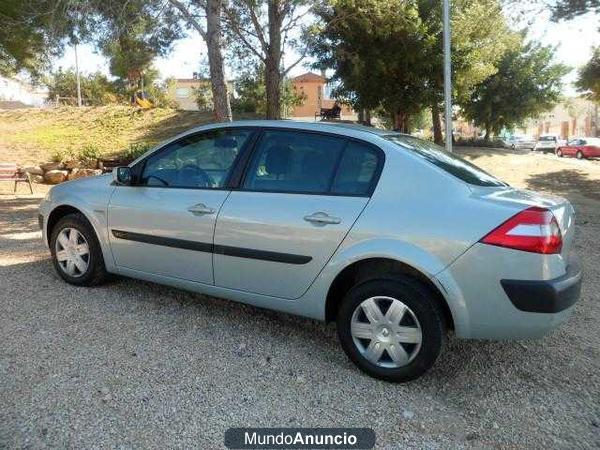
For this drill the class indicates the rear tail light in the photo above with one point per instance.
(532, 230)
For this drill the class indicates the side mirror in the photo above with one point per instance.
(122, 176)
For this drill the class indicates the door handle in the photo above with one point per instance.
(200, 209)
(322, 218)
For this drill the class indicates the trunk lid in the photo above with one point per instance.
(562, 209)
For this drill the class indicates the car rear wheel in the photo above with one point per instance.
(76, 252)
(559, 153)
(391, 329)
(579, 155)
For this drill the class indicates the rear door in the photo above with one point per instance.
(164, 224)
(301, 194)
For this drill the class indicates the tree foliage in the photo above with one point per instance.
(569, 9)
(265, 29)
(96, 88)
(134, 33)
(588, 80)
(526, 84)
(252, 95)
(32, 32)
(389, 53)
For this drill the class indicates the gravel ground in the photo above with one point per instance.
(133, 364)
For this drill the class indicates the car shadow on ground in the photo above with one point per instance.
(282, 333)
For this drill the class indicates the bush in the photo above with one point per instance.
(58, 156)
(89, 155)
(135, 150)
(472, 142)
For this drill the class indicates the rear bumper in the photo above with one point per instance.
(496, 293)
(549, 296)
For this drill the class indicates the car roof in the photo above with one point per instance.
(314, 126)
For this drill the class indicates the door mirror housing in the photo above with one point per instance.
(123, 176)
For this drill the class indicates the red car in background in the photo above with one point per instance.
(580, 148)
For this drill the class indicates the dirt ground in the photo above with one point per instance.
(132, 364)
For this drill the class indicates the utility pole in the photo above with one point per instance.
(78, 80)
(447, 76)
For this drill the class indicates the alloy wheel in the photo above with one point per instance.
(386, 332)
(72, 252)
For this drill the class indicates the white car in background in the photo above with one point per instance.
(520, 142)
(548, 143)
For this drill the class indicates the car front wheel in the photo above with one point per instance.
(559, 153)
(391, 329)
(76, 252)
(579, 155)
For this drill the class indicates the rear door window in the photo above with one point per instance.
(290, 161)
(357, 169)
(312, 163)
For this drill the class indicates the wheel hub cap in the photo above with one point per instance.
(72, 252)
(386, 332)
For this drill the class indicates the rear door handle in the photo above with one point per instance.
(200, 209)
(322, 218)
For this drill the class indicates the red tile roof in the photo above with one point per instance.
(310, 77)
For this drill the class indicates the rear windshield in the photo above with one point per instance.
(547, 138)
(449, 162)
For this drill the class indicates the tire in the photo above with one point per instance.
(579, 155)
(417, 358)
(95, 270)
(559, 153)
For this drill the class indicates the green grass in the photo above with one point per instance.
(36, 135)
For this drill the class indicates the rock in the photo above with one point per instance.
(51, 166)
(408, 414)
(55, 176)
(80, 173)
(33, 170)
(72, 164)
(37, 178)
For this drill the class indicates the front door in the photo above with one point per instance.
(164, 223)
(300, 197)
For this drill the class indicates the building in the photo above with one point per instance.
(15, 92)
(317, 94)
(183, 91)
(571, 118)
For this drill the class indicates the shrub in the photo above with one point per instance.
(58, 156)
(135, 150)
(473, 142)
(89, 155)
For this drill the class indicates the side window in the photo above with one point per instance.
(290, 161)
(357, 170)
(203, 160)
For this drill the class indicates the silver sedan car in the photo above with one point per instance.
(395, 240)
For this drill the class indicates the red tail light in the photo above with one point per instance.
(533, 230)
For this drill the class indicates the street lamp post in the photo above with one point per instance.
(447, 77)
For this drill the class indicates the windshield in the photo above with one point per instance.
(452, 164)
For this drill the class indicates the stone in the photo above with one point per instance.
(80, 173)
(51, 166)
(71, 164)
(55, 176)
(33, 170)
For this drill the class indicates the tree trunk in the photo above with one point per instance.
(221, 105)
(486, 137)
(273, 89)
(368, 117)
(437, 124)
(273, 62)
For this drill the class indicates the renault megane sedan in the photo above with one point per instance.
(389, 236)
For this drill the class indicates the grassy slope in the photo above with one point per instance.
(34, 135)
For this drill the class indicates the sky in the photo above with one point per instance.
(573, 41)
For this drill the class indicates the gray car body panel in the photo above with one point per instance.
(418, 215)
